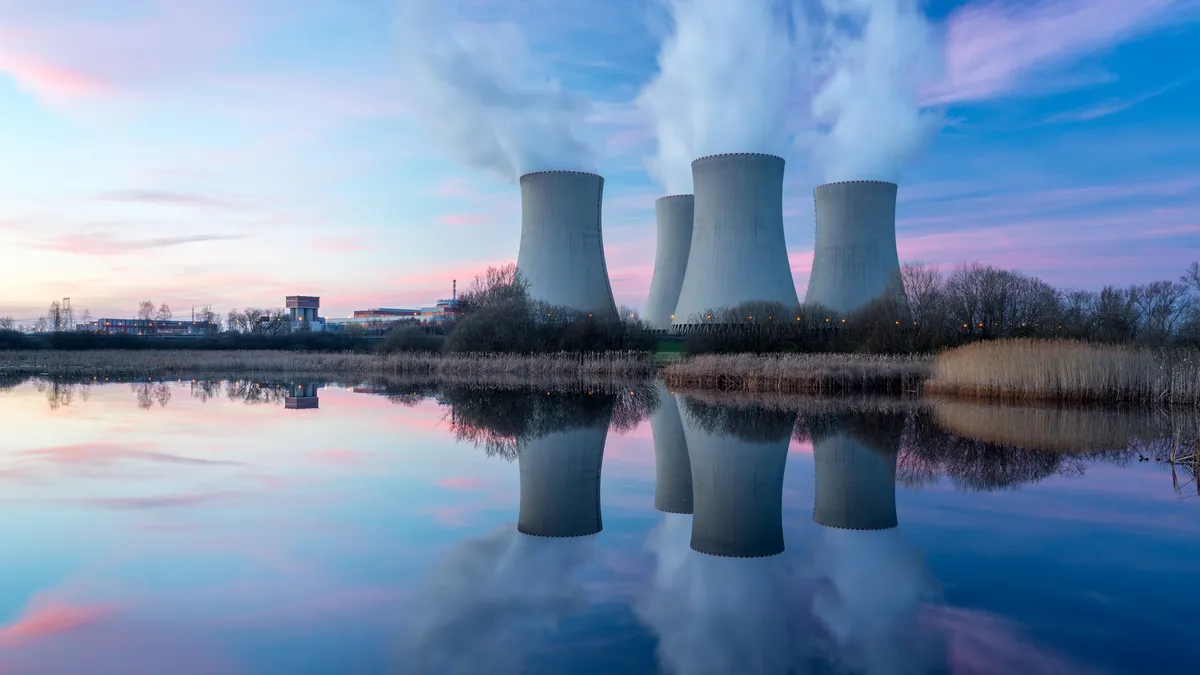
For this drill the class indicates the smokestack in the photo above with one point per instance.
(672, 468)
(856, 485)
(674, 215)
(562, 251)
(737, 487)
(738, 252)
(854, 257)
(560, 482)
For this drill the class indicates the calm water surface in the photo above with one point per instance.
(228, 527)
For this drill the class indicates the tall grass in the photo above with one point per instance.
(1066, 370)
(801, 373)
(116, 363)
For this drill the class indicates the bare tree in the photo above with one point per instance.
(923, 287)
(41, 325)
(163, 313)
(6, 323)
(1191, 278)
(55, 317)
(86, 317)
(1161, 305)
(145, 310)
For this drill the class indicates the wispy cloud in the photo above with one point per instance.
(994, 48)
(48, 617)
(105, 453)
(107, 245)
(465, 219)
(159, 501)
(1113, 106)
(159, 197)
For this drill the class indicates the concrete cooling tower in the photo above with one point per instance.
(562, 250)
(856, 485)
(672, 468)
(738, 252)
(854, 255)
(560, 483)
(674, 216)
(737, 488)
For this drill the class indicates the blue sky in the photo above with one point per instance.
(230, 152)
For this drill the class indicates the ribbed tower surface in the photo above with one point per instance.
(672, 467)
(856, 485)
(854, 253)
(737, 488)
(674, 215)
(562, 248)
(738, 252)
(560, 483)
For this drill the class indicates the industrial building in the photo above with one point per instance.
(672, 468)
(674, 219)
(737, 487)
(560, 482)
(150, 328)
(302, 396)
(856, 484)
(562, 248)
(854, 252)
(738, 252)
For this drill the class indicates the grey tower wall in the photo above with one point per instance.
(674, 216)
(562, 249)
(856, 485)
(854, 253)
(560, 483)
(672, 467)
(738, 252)
(737, 492)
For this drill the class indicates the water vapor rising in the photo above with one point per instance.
(491, 595)
(876, 55)
(481, 92)
(725, 76)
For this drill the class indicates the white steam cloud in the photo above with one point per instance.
(492, 595)
(878, 582)
(725, 77)
(876, 54)
(718, 615)
(838, 77)
(480, 91)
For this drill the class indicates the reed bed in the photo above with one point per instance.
(825, 374)
(1059, 429)
(1066, 370)
(317, 365)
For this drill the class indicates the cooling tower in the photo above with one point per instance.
(856, 485)
(738, 253)
(672, 468)
(737, 488)
(854, 255)
(562, 251)
(674, 215)
(560, 482)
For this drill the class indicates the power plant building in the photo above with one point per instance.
(738, 252)
(674, 219)
(737, 487)
(854, 253)
(560, 482)
(562, 249)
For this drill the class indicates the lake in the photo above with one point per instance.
(297, 527)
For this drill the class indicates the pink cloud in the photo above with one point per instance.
(45, 618)
(108, 245)
(340, 456)
(992, 47)
(982, 644)
(51, 81)
(104, 453)
(454, 187)
(461, 483)
(465, 219)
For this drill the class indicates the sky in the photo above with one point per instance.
(232, 152)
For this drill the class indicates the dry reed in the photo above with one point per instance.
(1052, 428)
(1064, 370)
(801, 373)
(465, 367)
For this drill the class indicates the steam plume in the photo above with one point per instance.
(725, 77)
(877, 55)
(488, 590)
(479, 90)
